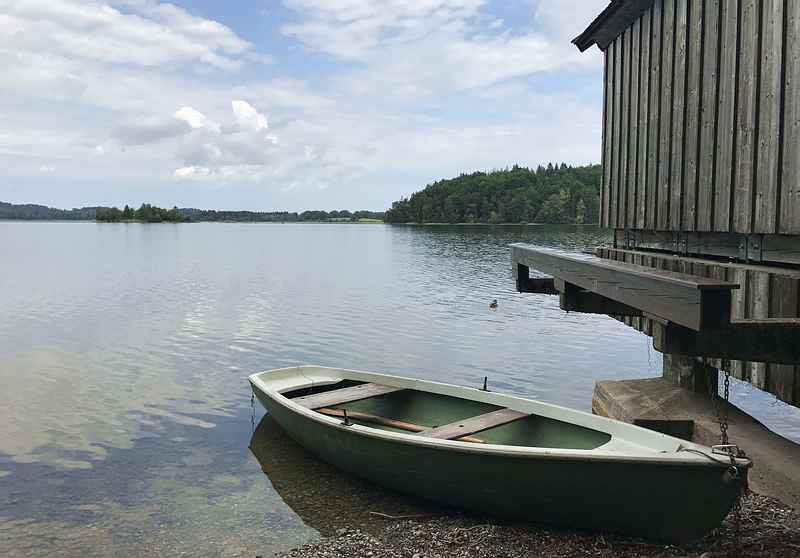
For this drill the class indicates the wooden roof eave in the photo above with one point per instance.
(618, 16)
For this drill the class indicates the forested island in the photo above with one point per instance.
(552, 194)
(151, 214)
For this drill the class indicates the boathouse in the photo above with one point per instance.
(701, 189)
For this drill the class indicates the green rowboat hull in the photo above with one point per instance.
(674, 501)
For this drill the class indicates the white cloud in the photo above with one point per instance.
(195, 118)
(248, 117)
(433, 47)
(396, 93)
(46, 169)
(192, 172)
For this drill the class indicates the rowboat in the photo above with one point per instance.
(503, 455)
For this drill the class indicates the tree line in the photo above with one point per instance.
(35, 212)
(146, 213)
(551, 194)
(152, 214)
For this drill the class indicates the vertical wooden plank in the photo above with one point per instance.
(708, 115)
(784, 294)
(608, 136)
(665, 154)
(618, 212)
(739, 312)
(769, 117)
(758, 306)
(633, 146)
(746, 117)
(644, 115)
(654, 120)
(726, 127)
(678, 116)
(694, 88)
(616, 179)
(790, 177)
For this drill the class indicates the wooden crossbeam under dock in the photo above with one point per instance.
(344, 395)
(691, 301)
(472, 425)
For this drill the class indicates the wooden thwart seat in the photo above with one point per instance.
(474, 424)
(344, 395)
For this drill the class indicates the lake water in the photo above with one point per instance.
(125, 414)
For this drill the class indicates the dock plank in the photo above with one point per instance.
(344, 395)
(472, 425)
(681, 298)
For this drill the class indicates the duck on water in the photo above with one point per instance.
(501, 454)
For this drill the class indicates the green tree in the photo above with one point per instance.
(553, 194)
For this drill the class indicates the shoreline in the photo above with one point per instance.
(768, 528)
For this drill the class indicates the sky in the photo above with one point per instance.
(286, 104)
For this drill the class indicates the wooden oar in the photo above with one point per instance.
(399, 424)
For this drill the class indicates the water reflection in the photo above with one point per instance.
(321, 495)
(124, 409)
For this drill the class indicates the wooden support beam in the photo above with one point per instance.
(769, 340)
(575, 299)
(690, 373)
(692, 301)
(538, 285)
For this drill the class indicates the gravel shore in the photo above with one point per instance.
(768, 529)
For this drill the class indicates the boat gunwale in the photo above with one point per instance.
(675, 458)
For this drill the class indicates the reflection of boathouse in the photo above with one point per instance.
(701, 186)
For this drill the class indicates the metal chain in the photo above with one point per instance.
(733, 453)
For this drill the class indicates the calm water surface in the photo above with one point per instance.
(125, 417)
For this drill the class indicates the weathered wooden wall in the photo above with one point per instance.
(765, 292)
(702, 119)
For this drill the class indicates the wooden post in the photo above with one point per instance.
(690, 373)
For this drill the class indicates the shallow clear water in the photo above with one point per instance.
(125, 413)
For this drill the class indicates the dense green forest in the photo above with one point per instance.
(552, 194)
(40, 212)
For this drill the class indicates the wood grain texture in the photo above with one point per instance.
(644, 116)
(708, 115)
(726, 127)
(344, 395)
(769, 118)
(694, 89)
(629, 220)
(665, 139)
(739, 312)
(675, 297)
(679, 123)
(616, 180)
(782, 378)
(747, 87)
(618, 211)
(607, 136)
(472, 425)
(766, 292)
(654, 117)
(758, 305)
(789, 214)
